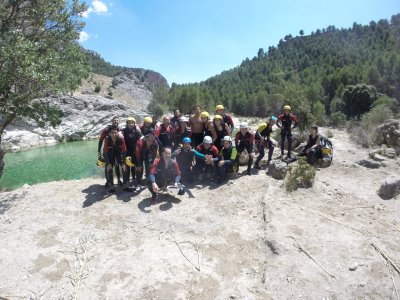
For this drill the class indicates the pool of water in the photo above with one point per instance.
(73, 160)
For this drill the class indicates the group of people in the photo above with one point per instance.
(181, 149)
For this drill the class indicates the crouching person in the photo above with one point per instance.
(164, 172)
(313, 148)
(228, 157)
(184, 156)
(206, 167)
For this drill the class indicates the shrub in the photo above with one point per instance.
(376, 116)
(114, 82)
(97, 88)
(300, 176)
(338, 119)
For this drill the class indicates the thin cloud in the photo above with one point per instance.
(83, 36)
(97, 7)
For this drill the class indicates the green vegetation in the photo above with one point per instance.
(300, 176)
(39, 56)
(97, 88)
(332, 71)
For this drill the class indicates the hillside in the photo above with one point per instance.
(248, 239)
(151, 79)
(309, 72)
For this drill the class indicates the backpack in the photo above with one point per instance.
(326, 147)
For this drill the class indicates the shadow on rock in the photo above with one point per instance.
(94, 193)
(165, 202)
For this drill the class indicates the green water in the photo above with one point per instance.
(74, 160)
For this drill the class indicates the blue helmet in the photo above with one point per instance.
(186, 140)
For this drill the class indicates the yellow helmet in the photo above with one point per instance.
(131, 119)
(261, 127)
(204, 114)
(217, 117)
(101, 161)
(218, 107)
(147, 120)
(129, 162)
(287, 107)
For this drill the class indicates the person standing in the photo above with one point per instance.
(114, 154)
(175, 120)
(132, 135)
(165, 134)
(285, 121)
(146, 153)
(197, 126)
(262, 140)
(227, 119)
(104, 134)
(221, 130)
(244, 139)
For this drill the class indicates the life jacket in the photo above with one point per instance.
(165, 173)
(146, 153)
(145, 131)
(212, 150)
(114, 151)
(287, 121)
(185, 158)
(230, 154)
(131, 137)
(220, 134)
(179, 135)
(227, 119)
(206, 129)
(166, 135)
(245, 140)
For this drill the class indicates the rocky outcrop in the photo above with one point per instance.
(370, 164)
(390, 187)
(278, 169)
(151, 79)
(84, 118)
(389, 134)
(139, 93)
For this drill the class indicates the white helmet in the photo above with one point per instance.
(183, 119)
(207, 140)
(227, 138)
(243, 125)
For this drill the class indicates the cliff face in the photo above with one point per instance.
(84, 118)
(151, 79)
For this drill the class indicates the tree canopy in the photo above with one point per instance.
(39, 56)
(308, 72)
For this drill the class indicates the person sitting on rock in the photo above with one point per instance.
(228, 158)
(164, 172)
(206, 167)
(146, 153)
(221, 130)
(104, 134)
(262, 140)
(285, 121)
(165, 134)
(226, 118)
(244, 139)
(132, 135)
(114, 154)
(182, 131)
(184, 156)
(146, 126)
(312, 150)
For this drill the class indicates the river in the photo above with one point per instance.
(73, 160)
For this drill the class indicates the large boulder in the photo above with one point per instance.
(389, 134)
(390, 187)
(278, 169)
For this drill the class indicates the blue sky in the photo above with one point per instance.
(190, 41)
